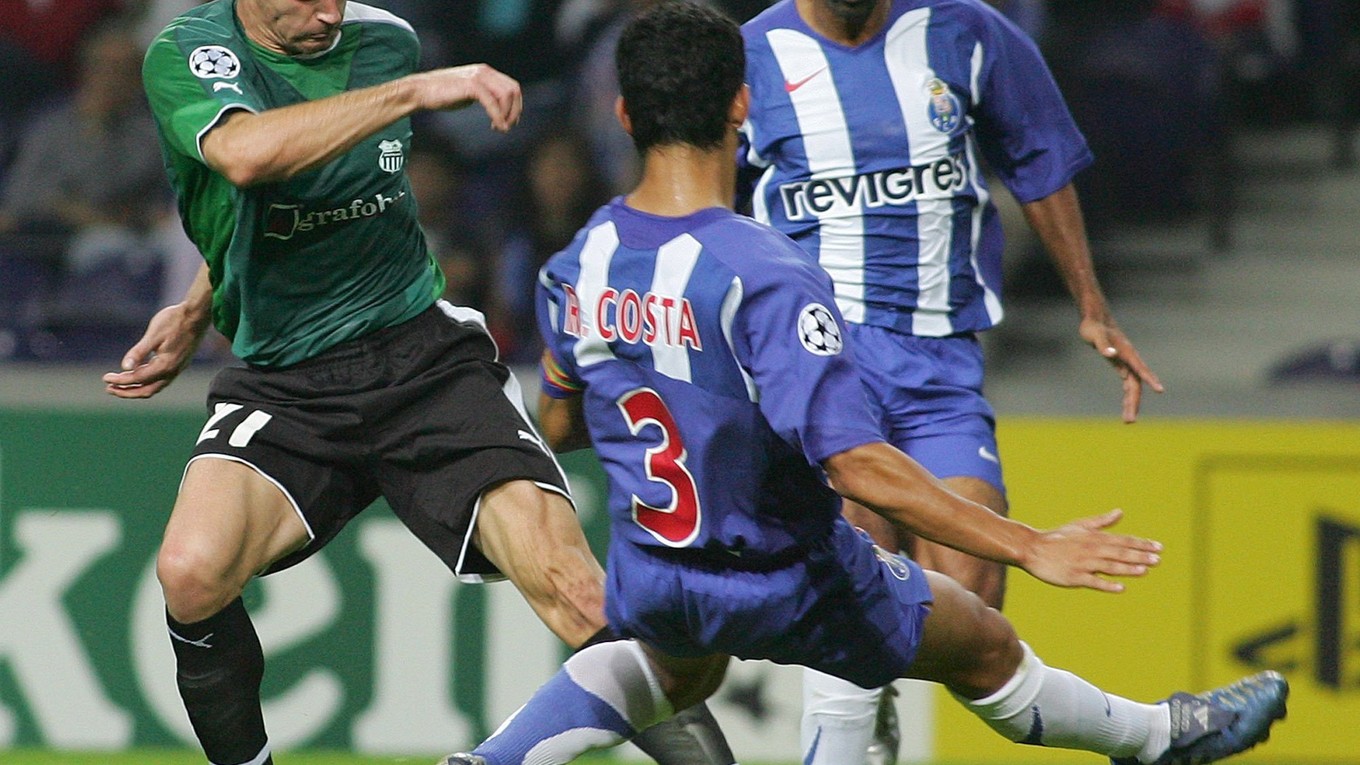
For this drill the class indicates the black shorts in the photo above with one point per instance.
(421, 414)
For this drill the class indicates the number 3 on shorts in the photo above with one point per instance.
(242, 433)
(678, 524)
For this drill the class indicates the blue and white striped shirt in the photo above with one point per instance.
(872, 157)
(708, 352)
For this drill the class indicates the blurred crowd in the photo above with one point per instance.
(90, 245)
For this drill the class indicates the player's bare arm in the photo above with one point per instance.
(277, 144)
(1057, 220)
(172, 336)
(563, 422)
(1079, 554)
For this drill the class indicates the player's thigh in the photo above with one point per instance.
(228, 523)
(965, 645)
(984, 577)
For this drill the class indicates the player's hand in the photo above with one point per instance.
(458, 86)
(172, 336)
(1106, 337)
(1082, 554)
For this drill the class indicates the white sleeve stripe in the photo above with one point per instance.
(596, 254)
(358, 12)
(731, 302)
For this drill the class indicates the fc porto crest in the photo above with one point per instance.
(945, 111)
(390, 158)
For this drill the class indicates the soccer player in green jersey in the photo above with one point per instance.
(285, 126)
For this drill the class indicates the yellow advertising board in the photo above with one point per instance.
(1261, 523)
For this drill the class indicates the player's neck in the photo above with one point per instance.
(847, 26)
(679, 180)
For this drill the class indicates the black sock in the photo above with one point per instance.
(220, 666)
(605, 635)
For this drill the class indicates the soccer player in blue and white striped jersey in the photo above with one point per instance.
(703, 357)
(871, 124)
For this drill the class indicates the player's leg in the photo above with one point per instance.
(840, 718)
(934, 411)
(534, 538)
(974, 651)
(984, 577)
(227, 524)
(927, 392)
(500, 498)
(603, 695)
(250, 503)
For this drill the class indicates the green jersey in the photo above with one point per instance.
(334, 253)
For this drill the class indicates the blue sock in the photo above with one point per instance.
(601, 697)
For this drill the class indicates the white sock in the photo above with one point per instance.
(1051, 707)
(619, 673)
(838, 720)
(603, 695)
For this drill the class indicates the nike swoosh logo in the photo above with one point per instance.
(987, 455)
(789, 87)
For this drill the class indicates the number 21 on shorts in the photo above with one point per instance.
(242, 433)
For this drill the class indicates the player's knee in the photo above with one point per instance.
(194, 589)
(996, 657)
(696, 684)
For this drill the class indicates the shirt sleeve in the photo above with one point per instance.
(553, 304)
(1024, 127)
(790, 337)
(192, 80)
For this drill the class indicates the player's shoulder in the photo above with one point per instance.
(779, 15)
(754, 251)
(978, 15)
(382, 27)
(377, 19)
(207, 23)
(205, 35)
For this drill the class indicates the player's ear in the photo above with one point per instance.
(621, 111)
(741, 106)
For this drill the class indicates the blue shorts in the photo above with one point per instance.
(927, 395)
(845, 606)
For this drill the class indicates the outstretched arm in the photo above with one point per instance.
(168, 345)
(277, 144)
(1057, 221)
(1079, 554)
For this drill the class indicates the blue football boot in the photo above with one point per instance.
(1209, 726)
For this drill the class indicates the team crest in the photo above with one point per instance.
(214, 62)
(944, 109)
(818, 331)
(390, 158)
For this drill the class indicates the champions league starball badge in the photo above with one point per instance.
(214, 62)
(818, 331)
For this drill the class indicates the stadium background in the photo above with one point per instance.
(1248, 469)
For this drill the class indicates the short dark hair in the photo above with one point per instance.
(680, 64)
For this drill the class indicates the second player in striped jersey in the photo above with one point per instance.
(870, 127)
